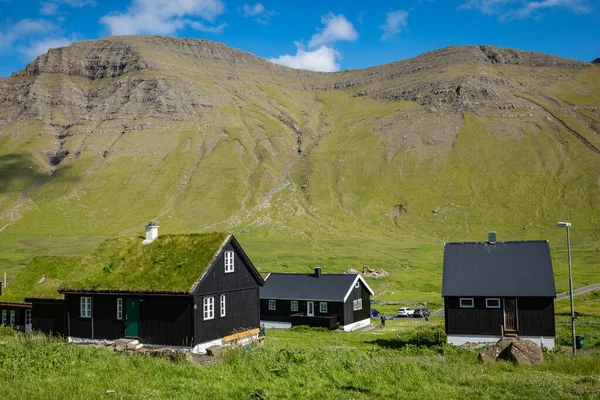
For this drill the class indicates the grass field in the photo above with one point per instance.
(405, 360)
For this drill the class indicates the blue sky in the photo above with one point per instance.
(318, 35)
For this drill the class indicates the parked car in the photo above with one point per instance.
(405, 312)
(374, 313)
(421, 313)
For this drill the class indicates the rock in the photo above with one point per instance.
(516, 350)
(596, 61)
(125, 344)
(216, 351)
(523, 352)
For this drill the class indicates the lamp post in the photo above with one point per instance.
(568, 225)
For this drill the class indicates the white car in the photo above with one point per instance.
(405, 312)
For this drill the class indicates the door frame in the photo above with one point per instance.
(310, 308)
(516, 311)
(128, 315)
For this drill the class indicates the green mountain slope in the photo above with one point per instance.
(376, 166)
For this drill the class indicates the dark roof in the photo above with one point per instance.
(326, 287)
(39, 279)
(170, 264)
(507, 269)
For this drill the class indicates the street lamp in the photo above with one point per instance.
(568, 225)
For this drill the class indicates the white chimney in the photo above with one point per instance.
(151, 232)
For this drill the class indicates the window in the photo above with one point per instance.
(294, 305)
(12, 317)
(271, 305)
(323, 307)
(119, 308)
(228, 261)
(222, 301)
(85, 307)
(357, 304)
(27, 317)
(209, 308)
(467, 303)
(357, 285)
(3, 317)
(492, 303)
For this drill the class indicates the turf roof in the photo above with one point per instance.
(170, 264)
(29, 283)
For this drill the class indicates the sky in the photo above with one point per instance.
(317, 35)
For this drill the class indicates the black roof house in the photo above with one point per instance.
(317, 299)
(190, 290)
(491, 289)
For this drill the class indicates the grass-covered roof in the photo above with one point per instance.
(40, 279)
(170, 264)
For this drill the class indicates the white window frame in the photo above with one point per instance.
(272, 305)
(28, 317)
(294, 305)
(229, 262)
(487, 303)
(119, 308)
(323, 307)
(12, 318)
(4, 317)
(463, 302)
(85, 307)
(357, 304)
(208, 308)
(222, 304)
(357, 285)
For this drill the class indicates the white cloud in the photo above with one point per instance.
(337, 28)
(23, 29)
(258, 11)
(322, 59)
(522, 9)
(38, 47)
(395, 22)
(163, 17)
(199, 26)
(51, 7)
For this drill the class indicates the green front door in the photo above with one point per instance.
(132, 317)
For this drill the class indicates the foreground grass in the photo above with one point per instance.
(299, 363)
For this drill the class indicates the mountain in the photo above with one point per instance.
(102, 136)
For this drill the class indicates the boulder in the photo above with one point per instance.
(523, 352)
(516, 350)
(215, 351)
(125, 344)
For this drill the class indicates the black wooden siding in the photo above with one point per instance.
(242, 299)
(535, 317)
(350, 316)
(49, 317)
(241, 312)
(19, 315)
(164, 320)
(344, 311)
(283, 310)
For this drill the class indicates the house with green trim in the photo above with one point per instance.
(31, 301)
(169, 290)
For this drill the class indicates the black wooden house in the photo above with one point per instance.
(495, 289)
(327, 300)
(31, 302)
(172, 290)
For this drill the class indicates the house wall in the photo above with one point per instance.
(164, 320)
(241, 313)
(49, 317)
(535, 317)
(242, 299)
(350, 316)
(283, 310)
(19, 315)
